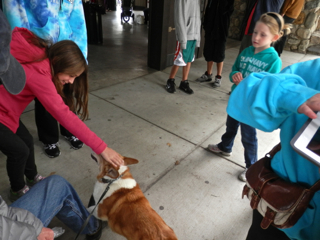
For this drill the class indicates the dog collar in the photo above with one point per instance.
(103, 194)
(110, 180)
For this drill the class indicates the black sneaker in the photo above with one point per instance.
(52, 150)
(74, 142)
(184, 86)
(171, 86)
(97, 234)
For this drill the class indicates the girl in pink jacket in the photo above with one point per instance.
(57, 76)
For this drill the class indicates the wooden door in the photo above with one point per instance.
(161, 41)
(162, 36)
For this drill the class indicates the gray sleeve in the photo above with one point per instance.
(18, 224)
(180, 22)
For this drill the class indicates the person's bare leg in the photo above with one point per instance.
(219, 68)
(217, 80)
(209, 67)
(185, 71)
(174, 71)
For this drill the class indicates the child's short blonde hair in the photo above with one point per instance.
(275, 23)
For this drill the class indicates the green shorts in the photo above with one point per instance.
(184, 56)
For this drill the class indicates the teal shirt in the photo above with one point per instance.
(248, 62)
(270, 101)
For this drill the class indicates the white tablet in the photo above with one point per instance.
(307, 141)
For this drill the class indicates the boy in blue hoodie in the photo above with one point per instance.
(259, 57)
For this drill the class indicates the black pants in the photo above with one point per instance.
(48, 129)
(257, 233)
(19, 149)
(279, 45)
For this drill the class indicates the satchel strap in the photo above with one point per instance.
(274, 150)
(268, 218)
(315, 187)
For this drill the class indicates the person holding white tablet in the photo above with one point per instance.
(307, 141)
(285, 101)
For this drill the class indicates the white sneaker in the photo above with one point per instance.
(214, 148)
(205, 78)
(217, 81)
(242, 176)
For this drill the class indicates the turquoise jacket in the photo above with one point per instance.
(54, 20)
(247, 62)
(270, 101)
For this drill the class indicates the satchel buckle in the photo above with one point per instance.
(268, 156)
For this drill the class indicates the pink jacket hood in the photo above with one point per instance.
(21, 48)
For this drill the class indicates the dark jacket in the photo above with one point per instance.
(263, 6)
(217, 18)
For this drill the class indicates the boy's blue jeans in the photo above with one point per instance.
(248, 139)
(54, 196)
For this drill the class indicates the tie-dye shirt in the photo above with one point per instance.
(54, 20)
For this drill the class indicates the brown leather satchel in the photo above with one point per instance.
(281, 203)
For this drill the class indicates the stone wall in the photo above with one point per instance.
(236, 19)
(305, 35)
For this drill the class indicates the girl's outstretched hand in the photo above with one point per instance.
(112, 157)
(310, 106)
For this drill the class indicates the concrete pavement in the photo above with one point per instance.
(196, 192)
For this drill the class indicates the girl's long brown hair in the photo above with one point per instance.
(66, 57)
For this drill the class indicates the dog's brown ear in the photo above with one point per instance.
(130, 161)
(113, 173)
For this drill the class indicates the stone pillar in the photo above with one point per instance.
(237, 18)
(305, 34)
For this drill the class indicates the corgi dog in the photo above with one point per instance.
(124, 206)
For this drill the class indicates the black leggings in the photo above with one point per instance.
(19, 149)
(47, 126)
(258, 233)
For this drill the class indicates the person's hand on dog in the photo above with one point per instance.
(112, 157)
(46, 234)
(310, 106)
